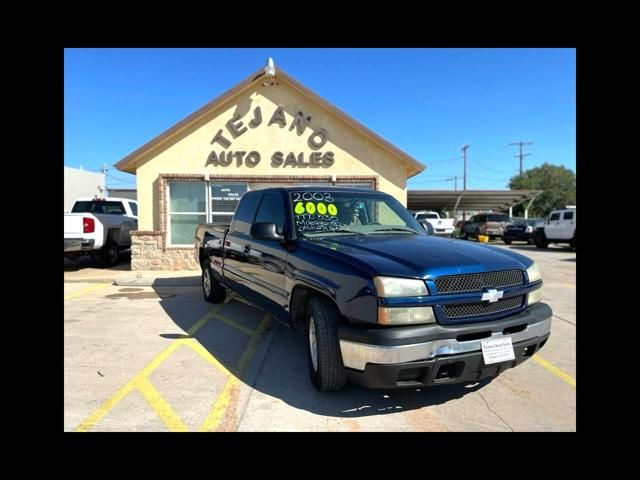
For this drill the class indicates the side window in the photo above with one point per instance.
(134, 208)
(243, 217)
(272, 210)
(567, 216)
(554, 216)
(481, 218)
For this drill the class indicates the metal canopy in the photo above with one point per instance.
(473, 200)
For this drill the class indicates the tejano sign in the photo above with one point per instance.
(235, 127)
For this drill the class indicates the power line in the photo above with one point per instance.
(521, 155)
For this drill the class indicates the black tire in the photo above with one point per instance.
(211, 288)
(572, 244)
(328, 373)
(541, 242)
(464, 236)
(506, 242)
(109, 254)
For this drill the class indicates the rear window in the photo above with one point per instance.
(134, 208)
(243, 217)
(498, 218)
(422, 216)
(567, 216)
(96, 206)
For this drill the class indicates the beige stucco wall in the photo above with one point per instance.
(354, 153)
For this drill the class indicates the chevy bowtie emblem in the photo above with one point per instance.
(492, 295)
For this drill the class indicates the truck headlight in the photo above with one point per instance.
(535, 296)
(387, 287)
(533, 273)
(405, 316)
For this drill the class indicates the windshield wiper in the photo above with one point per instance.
(394, 229)
(329, 232)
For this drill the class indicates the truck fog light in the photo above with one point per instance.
(405, 316)
(535, 296)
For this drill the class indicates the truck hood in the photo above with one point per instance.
(419, 256)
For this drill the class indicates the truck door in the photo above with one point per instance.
(551, 230)
(129, 223)
(267, 259)
(566, 227)
(236, 269)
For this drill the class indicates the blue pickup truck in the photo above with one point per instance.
(381, 302)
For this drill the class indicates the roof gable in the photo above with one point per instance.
(193, 121)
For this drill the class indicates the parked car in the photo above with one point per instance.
(521, 230)
(382, 303)
(441, 226)
(100, 228)
(559, 228)
(489, 224)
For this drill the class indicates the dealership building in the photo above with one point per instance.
(269, 130)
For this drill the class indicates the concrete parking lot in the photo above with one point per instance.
(142, 357)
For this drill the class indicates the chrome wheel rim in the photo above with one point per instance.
(313, 348)
(206, 282)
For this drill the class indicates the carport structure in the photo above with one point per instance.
(473, 200)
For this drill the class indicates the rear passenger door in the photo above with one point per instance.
(268, 258)
(566, 226)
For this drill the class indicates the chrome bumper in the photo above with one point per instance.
(357, 355)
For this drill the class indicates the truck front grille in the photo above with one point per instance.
(478, 281)
(485, 308)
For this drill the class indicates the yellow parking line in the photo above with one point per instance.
(86, 290)
(222, 402)
(108, 405)
(235, 325)
(204, 353)
(161, 407)
(569, 285)
(555, 370)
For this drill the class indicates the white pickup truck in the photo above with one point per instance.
(441, 226)
(100, 228)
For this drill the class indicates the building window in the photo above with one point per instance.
(224, 200)
(187, 208)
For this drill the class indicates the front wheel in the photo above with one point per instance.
(211, 288)
(325, 359)
(506, 242)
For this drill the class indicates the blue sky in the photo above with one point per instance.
(428, 102)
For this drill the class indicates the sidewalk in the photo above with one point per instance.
(122, 275)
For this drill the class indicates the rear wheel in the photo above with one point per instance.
(325, 359)
(109, 254)
(506, 242)
(211, 288)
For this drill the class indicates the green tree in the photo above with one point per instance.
(557, 182)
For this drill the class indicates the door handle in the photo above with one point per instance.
(247, 249)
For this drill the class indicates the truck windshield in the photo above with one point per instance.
(320, 213)
(97, 206)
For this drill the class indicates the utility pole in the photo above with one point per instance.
(455, 179)
(464, 178)
(522, 154)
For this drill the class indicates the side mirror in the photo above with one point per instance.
(427, 227)
(265, 231)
